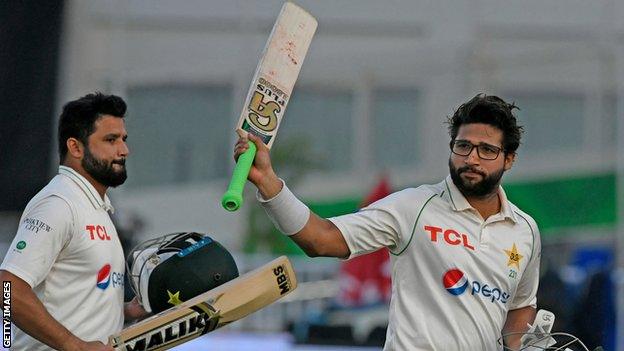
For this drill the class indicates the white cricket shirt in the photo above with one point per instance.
(66, 248)
(454, 275)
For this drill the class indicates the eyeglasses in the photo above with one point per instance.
(485, 151)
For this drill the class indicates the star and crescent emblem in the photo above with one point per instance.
(513, 257)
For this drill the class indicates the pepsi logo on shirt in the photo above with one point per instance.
(455, 282)
(105, 277)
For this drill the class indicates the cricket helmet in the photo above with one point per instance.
(177, 267)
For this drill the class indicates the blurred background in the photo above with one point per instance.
(366, 118)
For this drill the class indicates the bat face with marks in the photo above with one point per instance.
(270, 89)
(210, 310)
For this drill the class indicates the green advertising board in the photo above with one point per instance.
(556, 205)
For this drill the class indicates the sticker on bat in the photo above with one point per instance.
(283, 282)
(204, 319)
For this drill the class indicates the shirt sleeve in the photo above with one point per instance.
(373, 227)
(526, 293)
(44, 229)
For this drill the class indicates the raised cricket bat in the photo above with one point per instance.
(270, 90)
(211, 310)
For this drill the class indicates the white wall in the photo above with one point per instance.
(449, 50)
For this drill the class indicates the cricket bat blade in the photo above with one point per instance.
(211, 310)
(270, 90)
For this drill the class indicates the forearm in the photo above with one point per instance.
(270, 185)
(320, 237)
(31, 316)
(516, 324)
(317, 236)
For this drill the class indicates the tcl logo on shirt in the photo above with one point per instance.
(450, 236)
(97, 232)
(105, 277)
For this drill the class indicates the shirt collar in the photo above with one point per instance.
(88, 189)
(459, 202)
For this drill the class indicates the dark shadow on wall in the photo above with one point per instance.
(29, 50)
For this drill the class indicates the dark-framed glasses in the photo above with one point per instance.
(485, 151)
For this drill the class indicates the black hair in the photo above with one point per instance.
(79, 116)
(492, 110)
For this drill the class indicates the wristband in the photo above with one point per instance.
(286, 212)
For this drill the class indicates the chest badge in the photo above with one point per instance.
(513, 257)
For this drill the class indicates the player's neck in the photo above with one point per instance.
(486, 205)
(99, 187)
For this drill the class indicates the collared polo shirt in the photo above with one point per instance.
(67, 249)
(455, 275)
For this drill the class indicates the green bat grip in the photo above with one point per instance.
(233, 197)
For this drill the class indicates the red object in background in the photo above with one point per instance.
(366, 280)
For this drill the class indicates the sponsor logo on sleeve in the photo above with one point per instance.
(35, 225)
(20, 246)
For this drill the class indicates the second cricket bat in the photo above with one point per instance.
(270, 90)
(211, 310)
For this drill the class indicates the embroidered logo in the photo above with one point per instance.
(513, 257)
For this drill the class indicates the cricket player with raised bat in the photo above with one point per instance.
(465, 260)
(264, 108)
(66, 234)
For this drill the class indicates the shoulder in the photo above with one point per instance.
(62, 187)
(420, 194)
(50, 205)
(47, 214)
(408, 198)
(56, 198)
(524, 218)
(528, 225)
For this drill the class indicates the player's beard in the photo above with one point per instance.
(488, 185)
(104, 172)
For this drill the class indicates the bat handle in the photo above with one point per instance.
(112, 341)
(233, 197)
